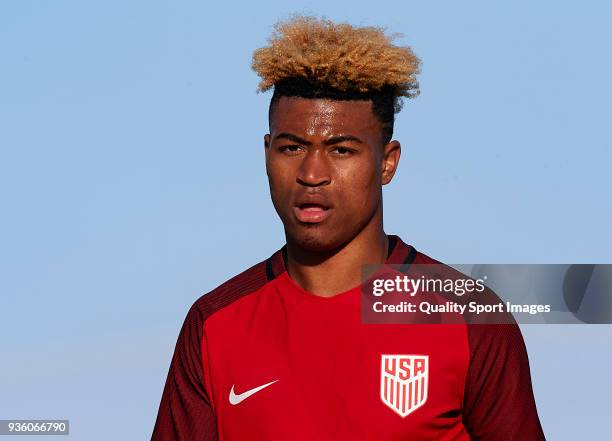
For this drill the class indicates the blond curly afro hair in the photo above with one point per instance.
(317, 58)
(340, 56)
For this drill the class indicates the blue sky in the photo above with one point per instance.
(132, 181)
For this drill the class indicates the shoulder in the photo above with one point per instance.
(422, 258)
(239, 286)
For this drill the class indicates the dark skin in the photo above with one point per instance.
(326, 164)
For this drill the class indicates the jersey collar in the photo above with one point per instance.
(399, 253)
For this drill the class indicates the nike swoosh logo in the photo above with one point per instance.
(238, 398)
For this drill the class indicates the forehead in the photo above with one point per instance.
(317, 117)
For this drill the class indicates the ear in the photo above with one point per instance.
(267, 149)
(391, 157)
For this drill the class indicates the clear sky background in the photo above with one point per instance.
(132, 181)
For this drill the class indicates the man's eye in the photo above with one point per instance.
(290, 149)
(343, 151)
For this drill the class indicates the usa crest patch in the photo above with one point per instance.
(404, 381)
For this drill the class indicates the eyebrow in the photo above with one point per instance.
(331, 141)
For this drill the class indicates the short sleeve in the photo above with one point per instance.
(498, 401)
(186, 411)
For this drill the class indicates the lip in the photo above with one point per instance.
(311, 213)
(312, 208)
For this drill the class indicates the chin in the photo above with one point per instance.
(315, 239)
(318, 238)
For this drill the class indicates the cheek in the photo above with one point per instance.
(361, 185)
(360, 176)
(279, 180)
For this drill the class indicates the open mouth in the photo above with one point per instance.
(311, 213)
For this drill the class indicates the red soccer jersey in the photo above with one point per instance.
(259, 358)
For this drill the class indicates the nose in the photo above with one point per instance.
(314, 170)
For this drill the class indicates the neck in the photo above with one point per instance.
(332, 272)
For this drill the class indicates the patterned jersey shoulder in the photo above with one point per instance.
(248, 281)
(422, 258)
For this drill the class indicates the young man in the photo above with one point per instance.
(279, 352)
